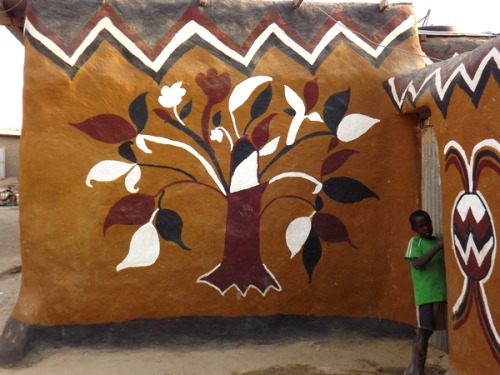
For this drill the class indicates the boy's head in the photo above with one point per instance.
(421, 223)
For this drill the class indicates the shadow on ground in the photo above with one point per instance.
(300, 369)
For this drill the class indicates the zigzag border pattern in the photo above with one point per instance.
(193, 28)
(470, 71)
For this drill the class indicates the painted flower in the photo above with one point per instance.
(216, 135)
(215, 87)
(172, 96)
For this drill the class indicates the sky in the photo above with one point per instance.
(475, 16)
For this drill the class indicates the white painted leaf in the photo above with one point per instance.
(314, 116)
(144, 248)
(243, 91)
(354, 125)
(294, 129)
(298, 106)
(270, 147)
(295, 101)
(297, 233)
(140, 142)
(318, 185)
(245, 174)
(108, 170)
(132, 179)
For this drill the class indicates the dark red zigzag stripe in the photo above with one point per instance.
(401, 83)
(192, 13)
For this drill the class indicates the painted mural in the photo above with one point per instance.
(241, 265)
(211, 164)
(474, 235)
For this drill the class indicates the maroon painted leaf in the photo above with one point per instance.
(161, 113)
(330, 229)
(107, 128)
(334, 142)
(311, 93)
(335, 161)
(134, 209)
(260, 135)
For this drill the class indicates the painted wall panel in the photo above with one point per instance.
(208, 170)
(462, 95)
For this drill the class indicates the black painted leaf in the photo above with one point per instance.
(216, 119)
(138, 112)
(290, 112)
(347, 190)
(335, 109)
(261, 103)
(319, 203)
(242, 149)
(126, 151)
(186, 110)
(311, 253)
(169, 226)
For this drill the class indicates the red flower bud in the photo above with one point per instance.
(216, 88)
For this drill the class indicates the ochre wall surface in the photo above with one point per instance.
(328, 218)
(465, 112)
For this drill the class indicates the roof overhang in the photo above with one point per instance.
(12, 16)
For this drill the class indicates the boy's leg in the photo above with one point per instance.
(419, 354)
(425, 319)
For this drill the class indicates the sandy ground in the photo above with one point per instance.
(353, 353)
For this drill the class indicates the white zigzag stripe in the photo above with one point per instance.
(471, 247)
(472, 82)
(192, 28)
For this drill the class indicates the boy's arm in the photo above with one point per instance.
(421, 261)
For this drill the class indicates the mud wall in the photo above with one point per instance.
(462, 94)
(236, 159)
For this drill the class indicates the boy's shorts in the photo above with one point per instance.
(432, 316)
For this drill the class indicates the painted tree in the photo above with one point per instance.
(241, 265)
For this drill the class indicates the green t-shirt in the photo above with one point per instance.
(429, 282)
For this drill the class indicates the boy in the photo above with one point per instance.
(429, 285)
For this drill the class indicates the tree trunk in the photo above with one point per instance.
(242, 266)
